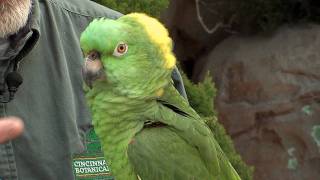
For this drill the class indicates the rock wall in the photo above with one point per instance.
(269, 100)
(268, 90)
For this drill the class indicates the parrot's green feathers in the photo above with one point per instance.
(146, 128)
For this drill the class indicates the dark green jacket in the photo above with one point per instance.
(50, 100)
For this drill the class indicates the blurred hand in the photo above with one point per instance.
(10, 128)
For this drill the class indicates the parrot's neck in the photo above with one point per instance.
(117, 119)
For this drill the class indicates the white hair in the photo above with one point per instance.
(13, 16)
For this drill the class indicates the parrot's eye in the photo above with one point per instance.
(120, 50)
(93, 55)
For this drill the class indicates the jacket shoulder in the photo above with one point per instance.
(86, 8)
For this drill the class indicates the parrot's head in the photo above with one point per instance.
(133, 55)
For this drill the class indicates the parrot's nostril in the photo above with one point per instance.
(94, 55)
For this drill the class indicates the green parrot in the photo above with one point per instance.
(147, 129)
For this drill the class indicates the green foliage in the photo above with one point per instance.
(262, 15)
(201, 98)
(150, 7)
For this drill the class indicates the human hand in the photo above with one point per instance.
(10, 128)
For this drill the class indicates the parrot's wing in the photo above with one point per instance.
(173, 100)
(158, 153)
(175, 112)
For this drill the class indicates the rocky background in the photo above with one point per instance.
(268, 82)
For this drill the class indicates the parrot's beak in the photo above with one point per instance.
(92, 71)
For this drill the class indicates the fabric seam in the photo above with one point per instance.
(66, 9)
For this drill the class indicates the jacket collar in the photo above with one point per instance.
(35, 16)
(33, 25)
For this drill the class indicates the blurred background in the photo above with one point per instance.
(263, 85)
